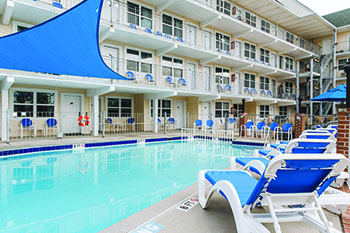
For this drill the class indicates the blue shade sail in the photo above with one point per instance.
(337, 94)
(67, 44)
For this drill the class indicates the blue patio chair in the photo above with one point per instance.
(247, 90)
(167, 36)
(182, 82)
(254, 91)
(198, 123)
(171, 122)
(131, 75)
(269, 93)
(274, 128)
(228, 53)
(263, 92)
(27, 125)
(148, 30)
(111, 125)
(289, 186)
(131, 122)
(133, 26)
(209, 124)
(259, 129)
(221, 88)
(51, 124)
(232, 121)
(57, 5)
(247, 128)
(180, 39)
(149, 78)
(287, 128)
(170, 80)
(158, 33)
(228, 87)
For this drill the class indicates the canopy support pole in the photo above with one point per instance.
(155, 116)
(311, 87)
(5, 86)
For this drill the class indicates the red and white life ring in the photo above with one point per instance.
(83, 121)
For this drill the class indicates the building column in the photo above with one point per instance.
(155, 115)
(297, 88)
(96, 117)
(5, 86)
(311, 87)
(334, 70)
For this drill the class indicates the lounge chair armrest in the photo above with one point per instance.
(258, 165)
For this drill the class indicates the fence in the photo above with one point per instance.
(208, 134)
(30, 124)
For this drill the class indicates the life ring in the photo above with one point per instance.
(83, 121)
(84, 166)
(233, 77)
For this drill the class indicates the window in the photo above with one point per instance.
(249, 50)
(281, 62)
(222, 109)
(289, 63)
(290, 37)
(222, 42)
(264, 83)
(164, 106)
(265, 26)
(250, 19)
(289, 87)
(264, 55)
(249, 80)
(135, 17)
(283, 111)
(223, 6)
(172, 26)
(222, 75)
(172, 67)
(342, 62)
(238, 109)
(34, 103)
(119, 107)
(139, 61)
(264, 110)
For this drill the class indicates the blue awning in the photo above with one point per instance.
(337, 94)
(66, 44)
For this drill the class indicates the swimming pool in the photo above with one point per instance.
(87, 191)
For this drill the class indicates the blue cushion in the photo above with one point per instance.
(26, 122)
(131, 121)
(264, 152)
(210, 123)
(275, 146)
(51, 122)
(198, 122)
(243, 182)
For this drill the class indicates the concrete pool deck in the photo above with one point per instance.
(217, 218)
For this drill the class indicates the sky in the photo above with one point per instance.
(323, 7)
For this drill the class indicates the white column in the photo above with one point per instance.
(155, 115)
(95, 116)
(311, 87)
(5, 86)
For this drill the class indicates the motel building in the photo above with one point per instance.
(186, 60)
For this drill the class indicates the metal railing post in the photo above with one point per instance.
(187, 120)
(165, 123)
(103, 124)
(225, 121)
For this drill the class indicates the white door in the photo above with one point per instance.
(71, 110)
(238, 49)
(192, 34)
(273, 29)
(179, 114)
(205, 112)
(206, 40)
(237, 85)
(206, 78)
(191, 75)
(110, 56)
(282, 34)
(273, 59)
(327, 46)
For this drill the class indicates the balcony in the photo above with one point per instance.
(343, 49)
(237, 26)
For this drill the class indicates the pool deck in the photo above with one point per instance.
(217, 218)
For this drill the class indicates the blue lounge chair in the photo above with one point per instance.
(289, 186)
(131, 75)
(149, 78)
(209, 124)
(247, 128)
(51, 124)
(198, 123)
(27, 125)
(182, 82)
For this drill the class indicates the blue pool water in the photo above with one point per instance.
(88, 191)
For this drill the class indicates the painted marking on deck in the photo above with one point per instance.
(149, 227)
(188, 204)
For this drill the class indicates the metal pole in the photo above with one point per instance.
(311, 87)
(334, 71)
(225, 120)
(7, 126)
(297, 86)
(187, 120)
(103, 124)
(165, 123)
(243, 103)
